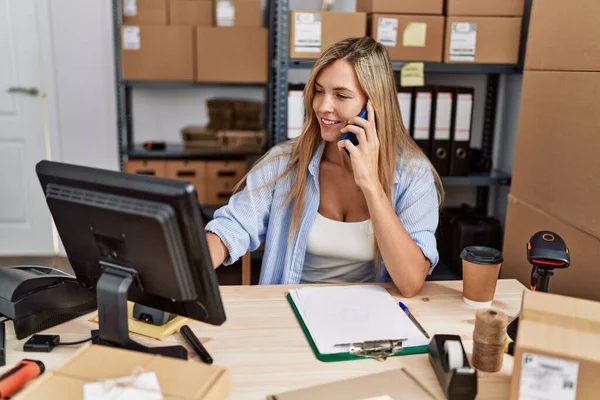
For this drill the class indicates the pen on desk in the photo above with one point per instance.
(193, 340)
(413, 319)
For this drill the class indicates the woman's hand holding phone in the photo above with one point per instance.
(364, 157)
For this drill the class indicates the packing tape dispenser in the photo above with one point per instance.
(451, 365)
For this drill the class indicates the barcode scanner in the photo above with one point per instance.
(546, 251)
(352, 136)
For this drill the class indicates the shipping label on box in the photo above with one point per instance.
(550, 378)
(130, 8)
(307, 32)
(387, 31)
(463, 41)
(225, 13)
(131, 38)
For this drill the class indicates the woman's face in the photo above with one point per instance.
(337, 98)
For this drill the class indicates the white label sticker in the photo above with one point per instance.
(548, 378)
(295, 113)
(422, 116)
(464, 110)
(225, 13)
(405, 100)
(143, 386)
(131, 38)
(463, 41)
(443, 115)
(387, 31)
(130, 8)
(307, 33)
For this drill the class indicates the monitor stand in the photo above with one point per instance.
(111, 292)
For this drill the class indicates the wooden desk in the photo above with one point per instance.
(264, 348)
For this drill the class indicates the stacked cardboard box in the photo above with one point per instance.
(194, 40)
(214, 180)
(556, 185)
(555, 356)
(483, 31)
(312, 32)
(412, 30)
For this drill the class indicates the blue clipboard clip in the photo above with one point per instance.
(378, 350)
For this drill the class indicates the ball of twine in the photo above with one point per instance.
(488, 340)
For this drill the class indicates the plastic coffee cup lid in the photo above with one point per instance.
(481, 255)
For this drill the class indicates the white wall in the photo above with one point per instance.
(82, 51)
(83, 106)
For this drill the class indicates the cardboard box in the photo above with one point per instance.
(562, 37)
(409, 37)
(238, 13)
(156, 168)
(305, 40)
(162, 53)
(556, 354)
(231, 54)
(191, 12)
(192, 171)
(580, 279)
(483, 40)
(556, 159)
(145, 12)
(178, 379)
(394, 384)
(401, 7)
(491, 8)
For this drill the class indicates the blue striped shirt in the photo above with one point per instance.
(259, 214)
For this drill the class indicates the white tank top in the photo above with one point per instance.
(338, 252)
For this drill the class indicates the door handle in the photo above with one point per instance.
(30, 91)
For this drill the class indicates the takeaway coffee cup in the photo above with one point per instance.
(481, 266)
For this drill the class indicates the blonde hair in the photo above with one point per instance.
(373, 68)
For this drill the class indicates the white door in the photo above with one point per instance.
(25, 222)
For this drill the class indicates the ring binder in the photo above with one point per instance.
(378, 350)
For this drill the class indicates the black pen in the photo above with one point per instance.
(193, 340)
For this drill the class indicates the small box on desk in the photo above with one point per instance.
(556, 350)
(157, 53)
(394, 384)
(231, 54)
(409, 37)
(483, 40)
(178, 379)
(490, 8)
(145, 12)
(401, 7)
(312, 32)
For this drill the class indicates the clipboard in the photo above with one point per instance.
(362, 353)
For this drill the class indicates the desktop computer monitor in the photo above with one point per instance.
(137, 238)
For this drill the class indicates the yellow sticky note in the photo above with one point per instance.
(415, 35)
(412, 74)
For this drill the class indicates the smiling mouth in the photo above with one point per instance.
(329, 122)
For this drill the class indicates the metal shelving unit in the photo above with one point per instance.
(279, 64)
(127, 147)
(431, 67)
(278, 86)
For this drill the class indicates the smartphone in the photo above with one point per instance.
(352, 136)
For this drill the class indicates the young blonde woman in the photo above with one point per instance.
(328, 216)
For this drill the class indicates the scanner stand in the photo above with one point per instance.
(111, 292)
(457, 383)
